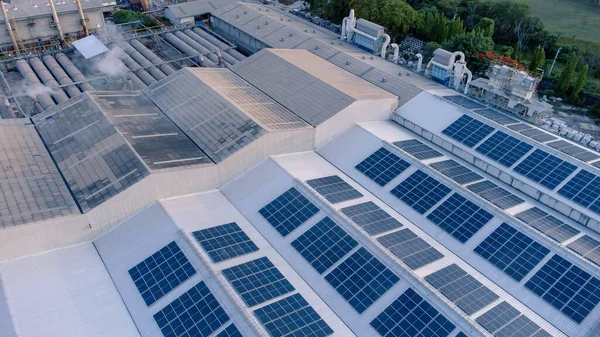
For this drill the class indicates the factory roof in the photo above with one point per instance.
(23, 9)
(197, 7)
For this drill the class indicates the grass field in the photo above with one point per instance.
(569, 17)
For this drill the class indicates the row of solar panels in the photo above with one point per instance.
(539, 166)
(506, 248)
(361, 279)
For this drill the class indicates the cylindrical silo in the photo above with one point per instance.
(73, 72)
(48, 80)
(60, 75)
(226, 57)
(44, 99)
(189, 51)
(143, 62)
(219, 43)
(150, 55)
(202, 50)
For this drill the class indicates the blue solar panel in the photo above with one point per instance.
(504, 320)
(361, 279)
(292, 316)
(161, 272)
(584, 189)
(503, 148)
(460, 217)
(258, 281)
(195, 313)
(371, 218)
(545, 169)
(566, 287)
(288, 211)
(468, 131)
(334, 189)
(324, 244)
(420, 191)
(410, 248)
(417, 149)
(230, 331)
(461, 334)
(411, 316)
(382, 166)
(225, 242)
(512, 251)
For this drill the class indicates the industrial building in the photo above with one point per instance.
(306, 188)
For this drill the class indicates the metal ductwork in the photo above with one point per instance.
(136, 68)
(73, 72)
(220, 44)
(143, 62)
(150, 55)
(207, 53)
(189, 51)
(61, 76)
(48, 80)
(226, 57)
(44, 100)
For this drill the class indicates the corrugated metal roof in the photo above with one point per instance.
(31, 188)
(217, 126)
(319, 48)
(21, 9)
(405, 91)
(197, 7)
(308, 97)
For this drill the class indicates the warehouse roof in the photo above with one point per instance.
(23, 9)
(197, 7)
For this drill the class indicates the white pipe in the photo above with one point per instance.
(469, 78)
(386, 43)
(396, 50)
(344, 25)
(419, 63)
(428, 68)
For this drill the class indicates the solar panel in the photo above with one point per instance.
(503, 148)
(361, 279)
(161, 272)
(382, 166)
(371, 218)
(505, 320)
(410, 248)
(547, 224)
(538, 135)
(496, 194)
(292, 316)
(511, 251)
(417, 149)
(456, 171)
(334, 189)
(496, 116)
(195, 313)
(460, 217)
(288, 211)
(583, 189)
(596, 164)
(566, 287)
(230, 331)
(258, 281)
(574, 150)
(461, 334)
(588, 247)
(410, 315)
(461, 288)
(468, 131)
(420, 191)
(225, 242)
(545, 169)
(324, 244)
(464, 102)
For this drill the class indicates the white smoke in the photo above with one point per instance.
(110, 63)
(32, 90)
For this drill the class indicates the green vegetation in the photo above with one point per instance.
(538, 59)
(579, 83)
(125, 16)
(567, 74)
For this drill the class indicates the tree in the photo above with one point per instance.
(125, 16)
(470, 44)
(486, 25)
(579, 83)
(539, 56)
(395, 15)
(516, 51)
(336, 10)
(566, 76)
(455, 27)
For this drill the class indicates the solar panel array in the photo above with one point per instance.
(461, 288)
(588, 247)
(511, 251)
(410, 315)
(545, 169)
(334, 189)
(574, 150)
(288, 211)
(495, 116)
(417, 149)
(566, 287)
(196, 313)
(460, 217)
(410, 248)
(533, 133)
(456, 171)
(324, 244)
(464, 102)
(547, 224)
(420, 191)
(292, 316)
(496, 194)
(382, 166)
(361, 279)
(225, 242)
(161, 272)
(584, 189)
(503, 148)
(230, 331)
(505, 320)
(371, 218)
(468, 131)
(258, 281)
